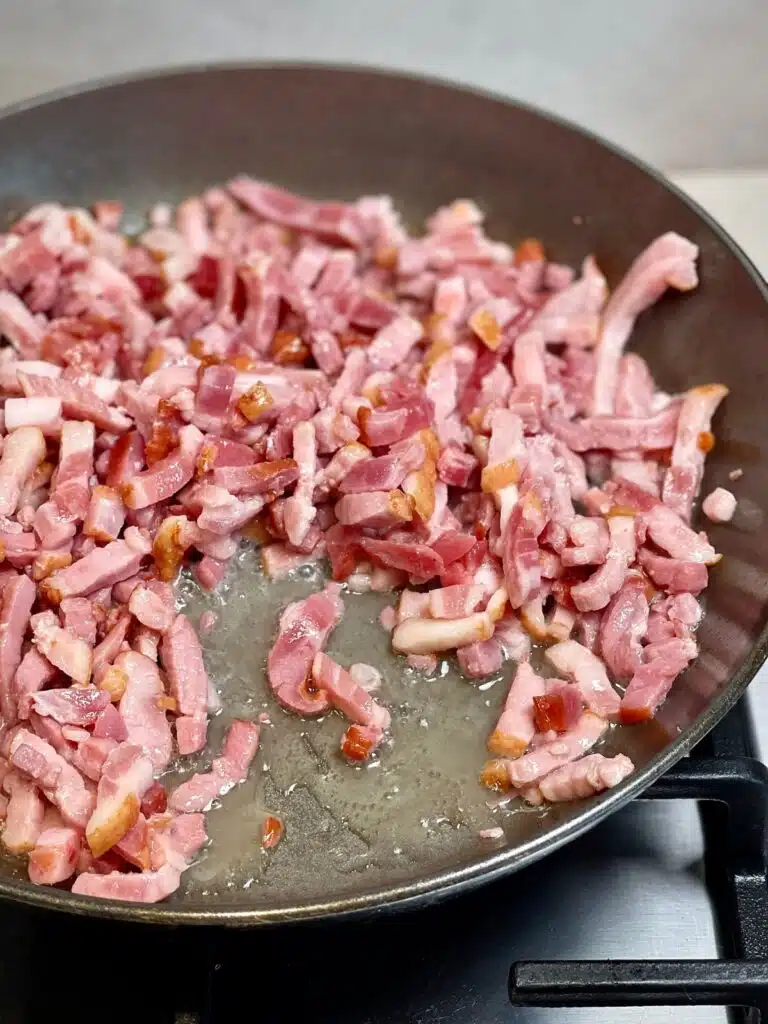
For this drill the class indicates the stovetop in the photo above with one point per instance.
(643, 886)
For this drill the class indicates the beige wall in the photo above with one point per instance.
(682, 82)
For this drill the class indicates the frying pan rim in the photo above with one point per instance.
(438, 885)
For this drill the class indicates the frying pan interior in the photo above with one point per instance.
(408, 830)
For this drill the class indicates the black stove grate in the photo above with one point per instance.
(723, 773)
(443, 965)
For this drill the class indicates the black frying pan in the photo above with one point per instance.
(408, 833)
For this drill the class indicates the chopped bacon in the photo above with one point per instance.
(73, 705)
(428, 636)
(668, 262)
(100, 568)
(545, 758)
(54, 857)
(619, 434)
(24, 814)
(182, 659)
(299, 510)
(165, 477)
(516, 726)
(651, 682)
(588, 672)
(418, 560)
(23, 451)
(392, 343)
(136, 887)
(482, 658)
(335, 222)
(424, 412)
(78, 403)
(347, 695)
(522, 568)
(61, 783)
(592, 774)
(18, 596)
(33, 674)
(126, 458)
(153, 604)
(377, 510)
(456, 601)
(665, 527)
(125, 777)
(231, 768)
(383, 473)
(105, 516)
(719, 505)
(142, 715)
(683, 478)
(622, 628)
(559, 708)
(595, 593)
(303, 631)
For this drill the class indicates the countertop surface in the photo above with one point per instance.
(738, 199)
(681, 83)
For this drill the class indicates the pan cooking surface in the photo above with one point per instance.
(407, 828)
(418, 805)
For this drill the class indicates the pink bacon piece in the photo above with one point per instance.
(141, 712)
(18, 596)
(138, 887)
(588, 672)
(393, 343)
(33, 674)
(24, 814)
(418, 560)
(153, 604)
(586, 777)
(55, 855)
(100, 568)
(515, 728)
(596, 592)
(622, 628)
(44, 413)
(166, 477)
(456, 601)
(78, 403)
(73, 705)
(523, 771)
(348, 696)
(299, 510)
(692, 441)
(23, 451)
(430, 636)
(125, 778)
(231, 768)
(376, 510)
(522, 568)
(67, 652)
(669, 261)
(572, 315)
(304, 628)
(61, 783)
(719, 505)
(334, 222)
(672, 574)
(106, 515)
(665, 528)
(19, 326)
(652, 681)
(182, 659)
